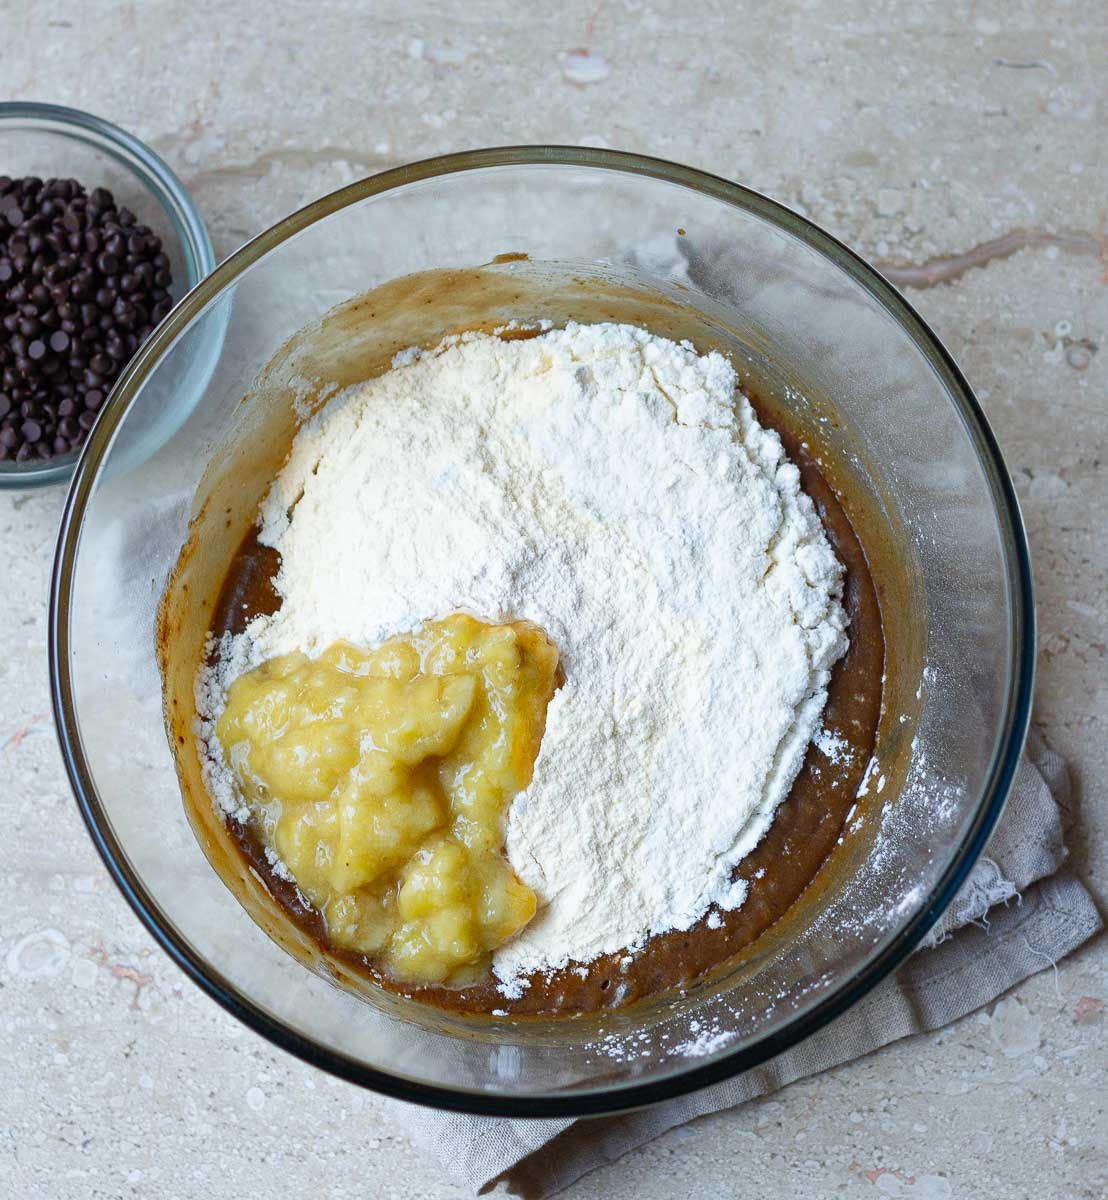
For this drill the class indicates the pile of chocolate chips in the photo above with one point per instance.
(81, 286)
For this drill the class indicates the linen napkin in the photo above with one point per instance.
(1017, 913)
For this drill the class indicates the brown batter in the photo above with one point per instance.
(781, 867)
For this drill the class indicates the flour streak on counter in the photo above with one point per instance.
(616, 489)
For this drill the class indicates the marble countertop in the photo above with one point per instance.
(946, 141)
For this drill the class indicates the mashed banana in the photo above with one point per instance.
(381, 779)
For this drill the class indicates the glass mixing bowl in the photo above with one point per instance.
(861, 373)
(48, 140)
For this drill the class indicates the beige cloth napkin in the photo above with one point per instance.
(1018, 912)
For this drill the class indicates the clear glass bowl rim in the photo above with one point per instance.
(155, 174)
(621, 1097)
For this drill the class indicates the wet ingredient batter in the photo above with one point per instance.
(803, 833)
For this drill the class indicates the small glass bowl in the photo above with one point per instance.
(48, 140)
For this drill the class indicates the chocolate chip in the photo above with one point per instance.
(82, 282)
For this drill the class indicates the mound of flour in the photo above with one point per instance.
(616, 489)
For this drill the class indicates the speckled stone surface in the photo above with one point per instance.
(918, 134)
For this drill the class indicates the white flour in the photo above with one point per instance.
(614, 488)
